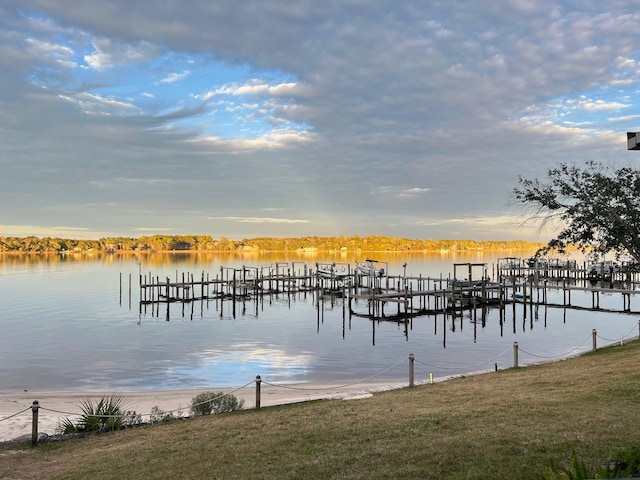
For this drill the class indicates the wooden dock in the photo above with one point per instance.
(388, 296)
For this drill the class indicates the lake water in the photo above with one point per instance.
(67, 325)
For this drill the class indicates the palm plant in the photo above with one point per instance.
(106, 414)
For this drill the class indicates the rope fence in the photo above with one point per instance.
(557, 357)
(470, 367)
(36, 407)
(290, 387)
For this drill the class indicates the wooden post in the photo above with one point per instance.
(233, 293)
(258, 382)
(515, 354)
(594, 334)
(34, 422)
(168, 288)
(406, 301)
(638, 329)
(411, 377)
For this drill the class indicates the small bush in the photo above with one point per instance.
(131, 418)
(158, 415)
(208, 403)
(105, 415)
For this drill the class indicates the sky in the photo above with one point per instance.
(265, 118)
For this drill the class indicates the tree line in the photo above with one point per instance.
(373, 243)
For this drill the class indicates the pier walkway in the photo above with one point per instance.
(389, 296)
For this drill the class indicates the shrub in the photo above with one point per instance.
(105, 415)
(158, 415)
(131, 418)
(207, 403)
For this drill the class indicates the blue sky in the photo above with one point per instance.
(271, 118)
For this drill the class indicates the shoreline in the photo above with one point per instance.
(54, 406)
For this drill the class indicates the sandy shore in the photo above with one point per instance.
(55, 406)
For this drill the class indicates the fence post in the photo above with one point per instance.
(34, 422)
(515, 354)
(594, 334)
(258, 382)
(638, 329)
(411, 359)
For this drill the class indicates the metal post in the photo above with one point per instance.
(594, 334)
(258, 382)
(411, 359)
(34, 422)
(515, 354)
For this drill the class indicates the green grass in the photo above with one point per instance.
(509, 424)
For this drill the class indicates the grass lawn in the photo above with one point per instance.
(511, 424)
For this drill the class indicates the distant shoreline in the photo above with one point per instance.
(230, 252)
(299, 245)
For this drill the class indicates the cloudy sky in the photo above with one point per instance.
(245, 118)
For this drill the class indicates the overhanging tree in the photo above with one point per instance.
(598, 207)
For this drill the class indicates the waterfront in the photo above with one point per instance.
(67, 325)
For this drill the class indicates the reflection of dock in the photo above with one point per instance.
(452, 299)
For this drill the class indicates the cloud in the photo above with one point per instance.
(599, 105)
(360, 118)
(54, 231)
(154, 230)
(107, 53)
(92, 103)
(175, 77)
(625, 118)
(412, 192)
(264, 220)
(282, 89)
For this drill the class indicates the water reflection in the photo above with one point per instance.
(75, 323)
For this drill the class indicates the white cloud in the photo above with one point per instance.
(272, 140)
(92, 103)
(265, 220)
(412, 192)
(282, 89)
(600, 105)
(55, 52)
(108, 53)
(176, 77)
(51, 231)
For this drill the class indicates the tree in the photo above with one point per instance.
(598, 206)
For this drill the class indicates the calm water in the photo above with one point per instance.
(66, 325)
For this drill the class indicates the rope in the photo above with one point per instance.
(617, 339)
(145, 414)
(216, 398)
(338, 386)
(609, 339)
(466, 368)
(557, 356)
(15, 414)
(64, 413)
